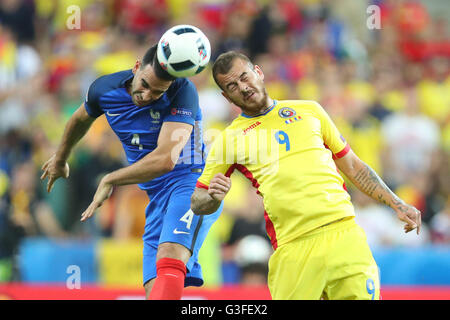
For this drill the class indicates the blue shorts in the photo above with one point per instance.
(169, 218)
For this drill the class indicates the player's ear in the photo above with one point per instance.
(137, 65)
(258, 71)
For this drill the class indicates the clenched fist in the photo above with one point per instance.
(219, 186)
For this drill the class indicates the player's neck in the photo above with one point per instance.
(269, 104)
(266, 107)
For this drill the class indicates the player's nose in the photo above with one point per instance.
(146, 95)
(243, 87)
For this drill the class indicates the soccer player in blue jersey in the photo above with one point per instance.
(158, 120)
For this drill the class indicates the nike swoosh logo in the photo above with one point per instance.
(175, 231)
(172, 275)
(112, 114)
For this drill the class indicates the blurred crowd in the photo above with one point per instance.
(387, 89)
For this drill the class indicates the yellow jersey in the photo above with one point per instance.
(288, 154)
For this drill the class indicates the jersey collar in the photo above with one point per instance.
(128, 77)
(261, 114)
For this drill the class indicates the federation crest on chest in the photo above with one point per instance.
(155, 115)
(289, 115)
(286, 112)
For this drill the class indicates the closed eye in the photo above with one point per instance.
(244, 76)
(154, 92)
(145, 84)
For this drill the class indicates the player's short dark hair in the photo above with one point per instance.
(224, 62)
(150, 57)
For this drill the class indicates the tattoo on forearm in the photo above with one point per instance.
(370, 183)
(382, 200)
(399, 204)
(368, 180)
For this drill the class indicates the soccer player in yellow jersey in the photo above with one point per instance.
(291, 151)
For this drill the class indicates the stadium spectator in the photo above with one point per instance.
(381, 225)
(141, 17)
(415, 139)
(19, 16)
(440, 225)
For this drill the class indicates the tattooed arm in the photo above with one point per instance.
(366, 180)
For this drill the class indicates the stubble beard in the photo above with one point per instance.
(259, 106)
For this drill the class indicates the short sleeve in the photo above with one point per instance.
(184, 105)
(216, 162)
(91, 102)
(332, 138)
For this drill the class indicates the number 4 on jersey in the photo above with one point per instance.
(188, 216)
(135, 141)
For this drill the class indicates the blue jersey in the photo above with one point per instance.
(138, 127)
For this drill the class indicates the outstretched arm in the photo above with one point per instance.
(172, 138)
(366, 180)
(77, 126)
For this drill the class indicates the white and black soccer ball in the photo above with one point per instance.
(183, 51)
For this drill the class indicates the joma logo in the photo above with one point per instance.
(253, 126)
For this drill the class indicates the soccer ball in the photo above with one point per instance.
(183, 51)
